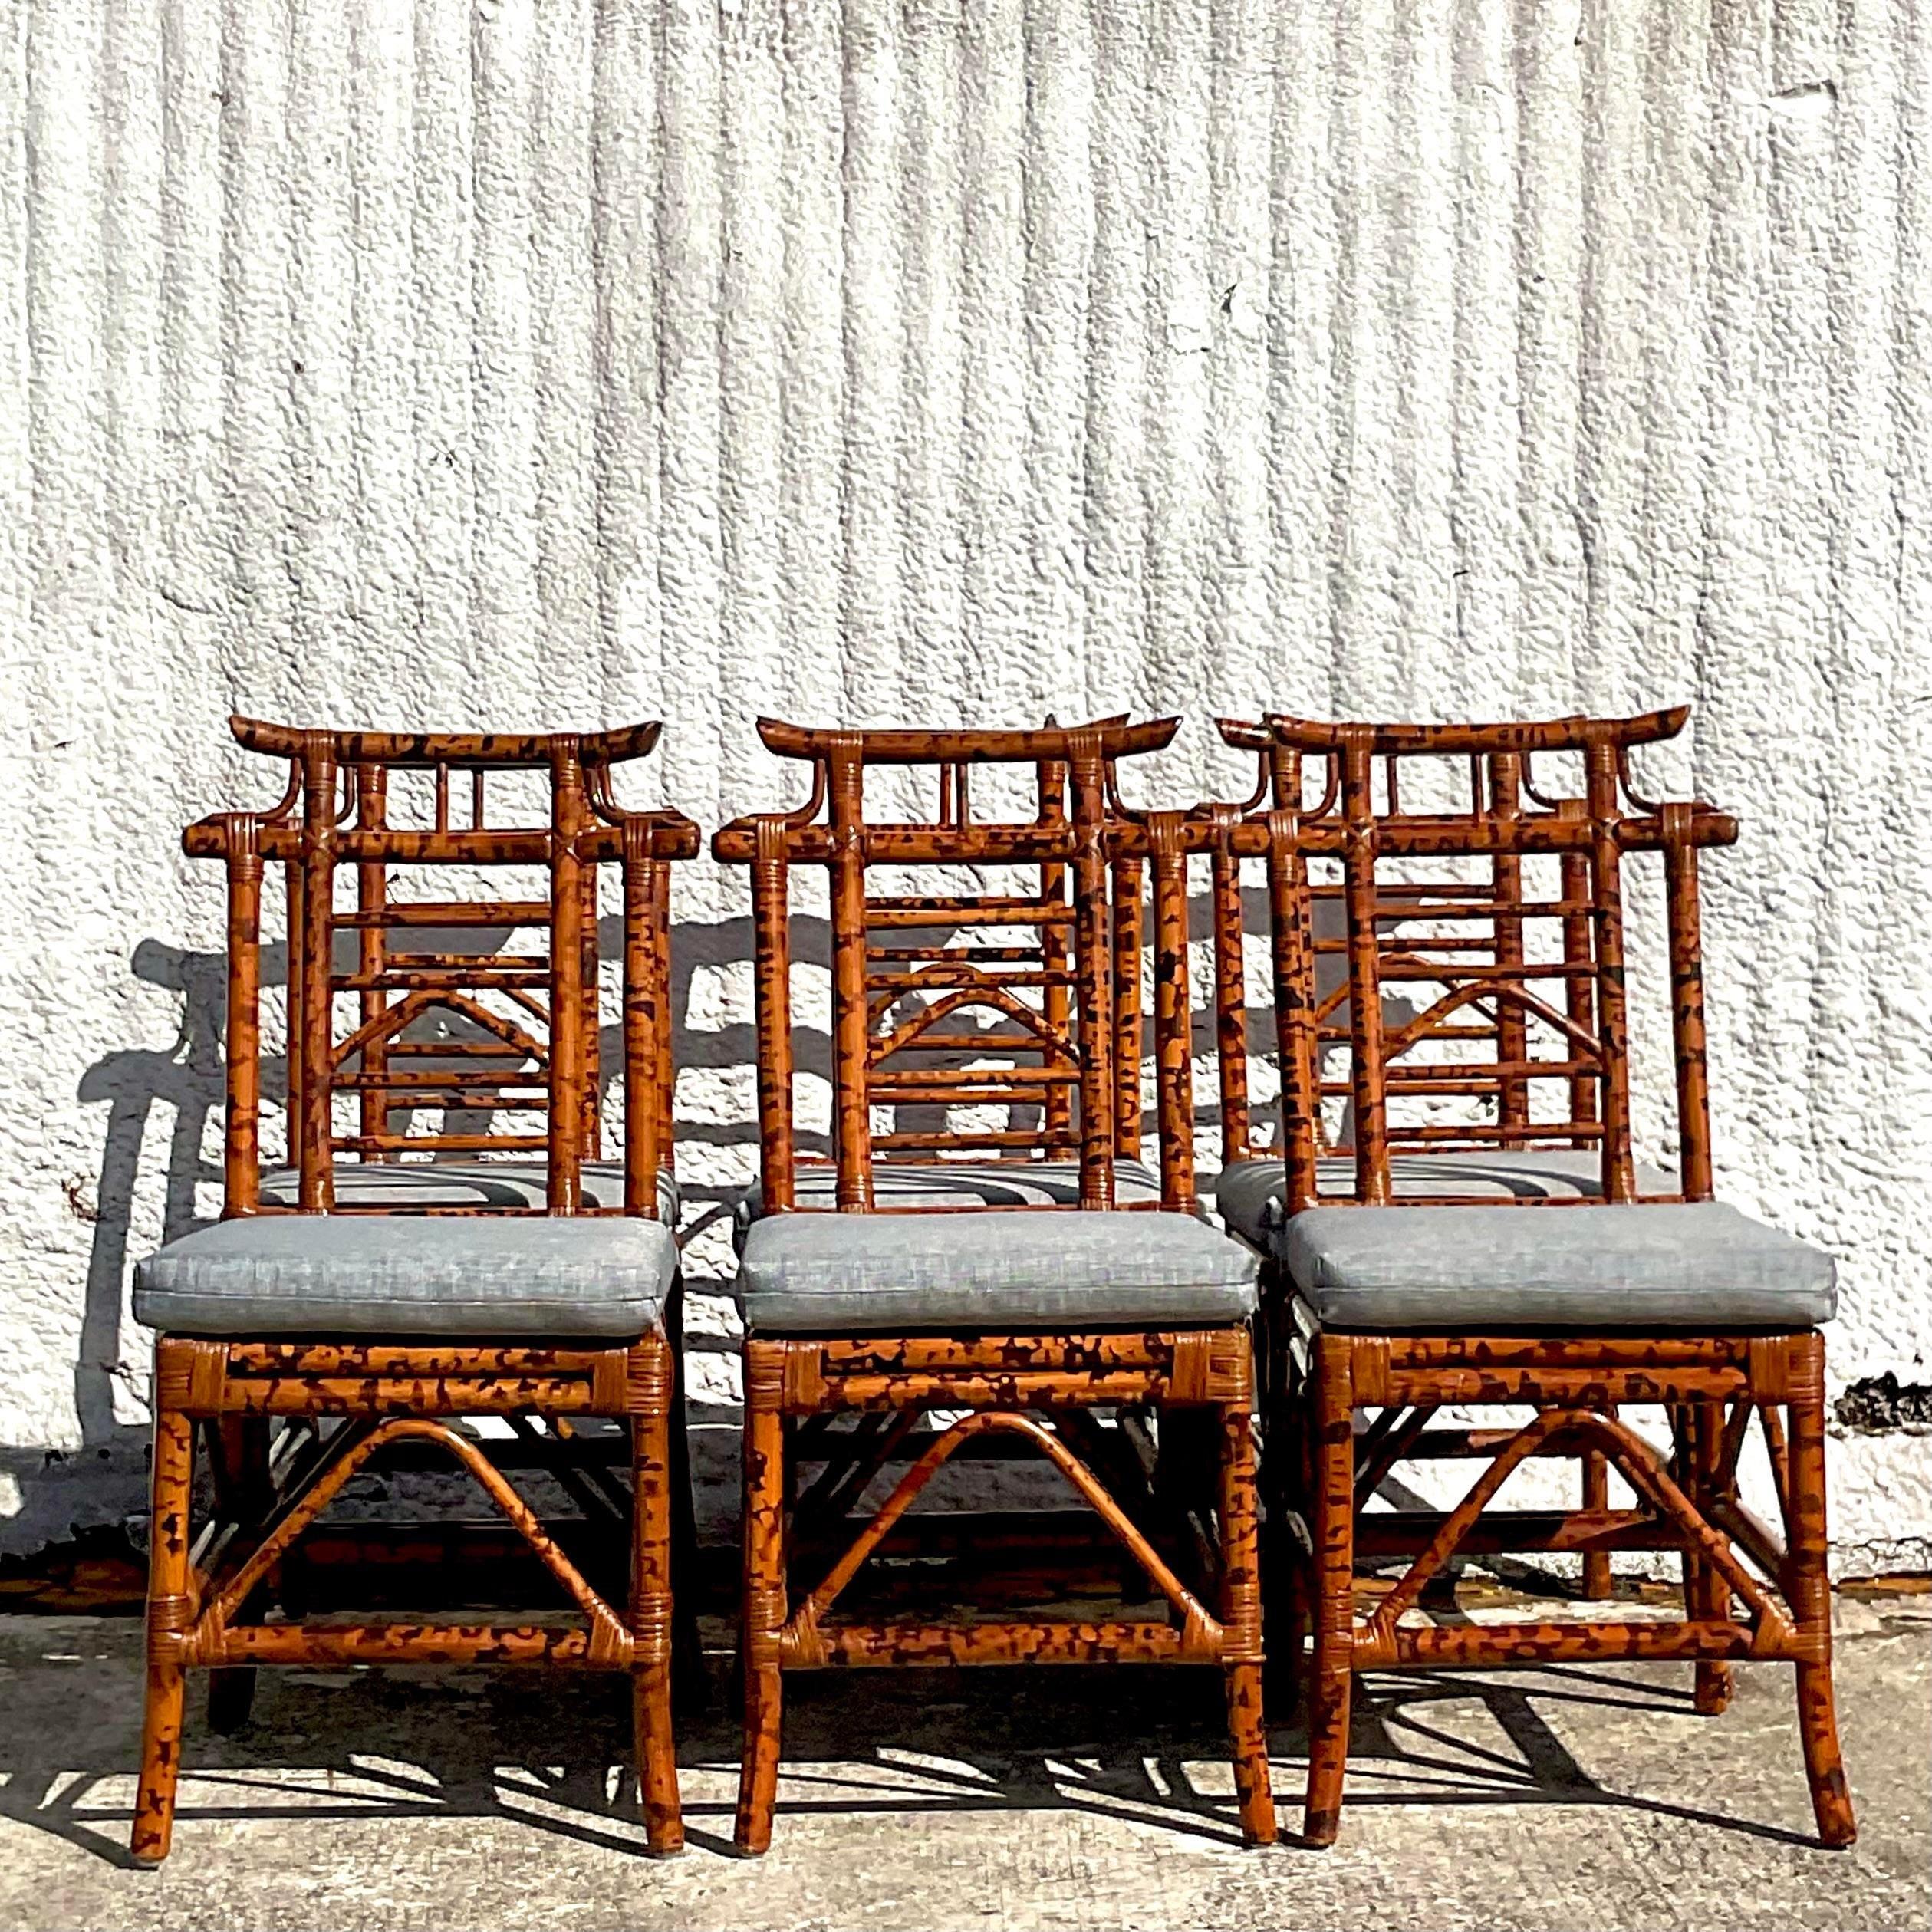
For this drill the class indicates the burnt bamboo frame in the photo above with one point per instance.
(1711, 1385)
(1012, 1385)
(343, 1401)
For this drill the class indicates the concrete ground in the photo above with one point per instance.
(1586, 1797)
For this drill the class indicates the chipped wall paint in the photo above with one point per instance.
(514, 365)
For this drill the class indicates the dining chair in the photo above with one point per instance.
(393, 1276)
(983, 1250)
(1485, 1235)
(1486, 900)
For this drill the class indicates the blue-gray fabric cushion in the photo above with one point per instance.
(1696, 1265)
(1250, 1195)
(340, 1274)
(859, 1274)
(966, 1184)
(464, 1183)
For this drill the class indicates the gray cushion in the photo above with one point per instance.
(1250, 1195)
(967, 1183)
(342, 1274)
(464, 1183)
(856, 1274)
(1698, 1264)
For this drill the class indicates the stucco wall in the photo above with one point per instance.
(522, 364)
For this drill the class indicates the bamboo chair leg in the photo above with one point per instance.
(1818, 1725)
(1810, 1595)
(168, 1612)
(1241, 1620)
(1331, 1676)
(1284, 1486)
(764, 1613)
(1706, 1594)
(651, 1599)
(688, 1681)
(246, 1493)
(1596, 1496)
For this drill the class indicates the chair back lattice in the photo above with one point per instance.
(482, 1007)
(985, 973)
(1448, 942)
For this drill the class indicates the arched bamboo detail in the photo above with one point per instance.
(1639, 1464)
(1051, 1038)
(610, 1640)
(413, 1005)
(1420, 1028)
(804, 1622)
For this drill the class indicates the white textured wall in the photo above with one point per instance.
(547, 361)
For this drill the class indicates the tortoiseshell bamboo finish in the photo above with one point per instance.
(1749, 1592)
(906, 972)
(211, 1597)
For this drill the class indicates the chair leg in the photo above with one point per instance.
(1706, 1594)
(764, 1609)
(1282, 1488)
(1241, 1622)
(1810, 1595)
(1818, 1726)
(652, 1602)
(168, 1612)
(245, 1491)
(1332, 1678)
(689, 1685)
(655, 1745)
(1596, 1496)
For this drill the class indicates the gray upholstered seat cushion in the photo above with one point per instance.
(1696, 1265)
(464, 1183)
(483, 1276)
(967, 1183)
(1249, 1195)
(858, 1274)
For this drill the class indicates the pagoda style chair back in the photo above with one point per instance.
(1019, 1007)
(1495, 918)
(914, 1277)
(1421, 1282)
(1522, 1024)
(1493, 948)
(367, 1297)
(399, 1004)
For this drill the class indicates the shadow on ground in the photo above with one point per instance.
(547, 1751)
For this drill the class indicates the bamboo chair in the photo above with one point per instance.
(1395, 1293)
(392, 1296)
(1487, 905)
(1033, 1288)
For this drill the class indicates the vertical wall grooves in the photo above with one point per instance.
(488, 361)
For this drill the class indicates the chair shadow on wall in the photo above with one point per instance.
(177, 1089)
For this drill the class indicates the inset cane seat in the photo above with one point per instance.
(831, 1274)
(493, 1184)
(1251, 1196)
(454, 1278)
(1701, 1265)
